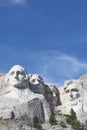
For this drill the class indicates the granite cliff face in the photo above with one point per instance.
(24, 97)
(73, 95)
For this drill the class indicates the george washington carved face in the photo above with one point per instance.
(17, 76)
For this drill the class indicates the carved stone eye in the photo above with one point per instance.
(12, 73)
(38, 80)
(20, 73)
(67, 91)
(33, 80)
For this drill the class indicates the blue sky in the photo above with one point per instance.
(48, 37)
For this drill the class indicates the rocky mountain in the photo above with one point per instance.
(25, 97)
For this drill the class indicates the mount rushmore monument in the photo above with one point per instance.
(25, 96)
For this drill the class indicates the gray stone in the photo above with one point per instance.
(55, 93)
(73, 95)
(21, 103)
(25, 96)
(36, 83)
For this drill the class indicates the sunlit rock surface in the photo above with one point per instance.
(74, 95)
(19, 101)
(24, 96)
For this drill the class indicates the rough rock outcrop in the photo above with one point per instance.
(56, 96)
(24, 97)
(36, 83)
(21, 101)
(73, 95)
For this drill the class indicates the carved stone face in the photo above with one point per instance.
(35, 79)
(17, 76)
(55, 92)
(36, 83)
(72, 91)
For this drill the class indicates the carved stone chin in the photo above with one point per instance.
(17, 77)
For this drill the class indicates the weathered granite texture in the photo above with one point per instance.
(25, 96)
(74, 95)
(21, 101)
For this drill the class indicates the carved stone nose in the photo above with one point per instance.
(70, 92)
(15, 74)
(36, 82)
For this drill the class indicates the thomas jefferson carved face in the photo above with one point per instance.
(36, 83)
(17, 76)
(72, 91)
(35, 79)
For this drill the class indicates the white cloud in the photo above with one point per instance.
(10, 2)
(17, 1)
(57, 67)
(53, 66)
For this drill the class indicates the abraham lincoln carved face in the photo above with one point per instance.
(72, 91)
